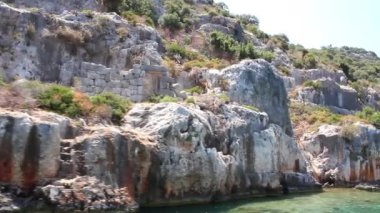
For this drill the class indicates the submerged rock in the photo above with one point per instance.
(368, 187)
(7, 204)
(87, 193)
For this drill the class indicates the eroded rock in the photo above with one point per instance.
(254, 82)
(341, 158)
(88, 194)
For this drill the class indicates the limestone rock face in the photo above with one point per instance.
(164, 154)
(29, 149)
(331, 94)
(58, 6)
(339, 156)
(95, 53)
(208, 24)
(88, 193)
(254, 82)
(204, 156)
(298, 77)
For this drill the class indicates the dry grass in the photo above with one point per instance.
(307, 117)
(72, 36)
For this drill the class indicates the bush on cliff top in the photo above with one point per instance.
(371, 115)
(225, 43)
(64, 100)
(59, 99)
(178, 14)
(118, 104)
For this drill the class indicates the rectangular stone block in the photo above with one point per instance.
(92, 75)
(100, 83)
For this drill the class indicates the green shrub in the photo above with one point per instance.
(178, 15)
(162, 99)
(250, 107)
(171, 21)
(204, 62)
(284, 70)
(196, 89)
(168, 99)
(281, 41)
(2, 82)
(223, 42)
(266, 55)
(375, 119)
(174, 48)
(349, 131)
(298, 63)
(140, 7)
(224, 97)
(130, 16)
(246, 51)
(313, 84)
(88, 13)
(190, 100)
(369, 114)
(59, 99)
(312, 115)
(310, 61)
(118, 104)
(254, 29)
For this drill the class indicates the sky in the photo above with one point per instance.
(317, 23)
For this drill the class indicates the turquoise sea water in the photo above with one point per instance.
(332, 200)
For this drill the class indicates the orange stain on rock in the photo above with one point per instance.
(30, 163)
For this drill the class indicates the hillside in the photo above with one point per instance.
(112, 105)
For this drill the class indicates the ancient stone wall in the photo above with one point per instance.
(137, 84)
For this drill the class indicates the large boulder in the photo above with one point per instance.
(340, 155)
(205, 156)
(254, 82)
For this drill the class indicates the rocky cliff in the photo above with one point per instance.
(228, 134)
(340, 156)
(95, 52)
(163, 154)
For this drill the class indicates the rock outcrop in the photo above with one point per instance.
(57, 6)
(298, 77)
(30, 147)
(343, 155)
(204, 156)
(96, 52)
(164, 154)
(87, 193)
(252, 82)
(329, 93)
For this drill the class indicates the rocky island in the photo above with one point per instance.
(116, 105)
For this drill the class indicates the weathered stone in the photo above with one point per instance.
(329, 93)
(87, 193)
(207, 154)
(342, 156)
(253, 82)
(58, 6)
(68, 46)
(29, 149)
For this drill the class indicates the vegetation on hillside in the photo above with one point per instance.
(308, 116)
(347, 59)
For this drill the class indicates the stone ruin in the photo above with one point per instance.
(137, 84)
